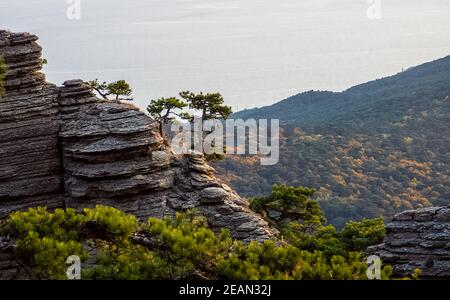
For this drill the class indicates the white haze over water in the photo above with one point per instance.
(255, 52)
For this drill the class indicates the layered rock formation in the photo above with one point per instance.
(30, 159)
(418, 239)
(63, 147)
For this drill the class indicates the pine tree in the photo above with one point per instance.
(165, 110)
(115, 89)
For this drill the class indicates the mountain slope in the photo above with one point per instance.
(320, 108)
(376, 148)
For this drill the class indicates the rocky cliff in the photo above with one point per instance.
(63, 147)
(418, 239)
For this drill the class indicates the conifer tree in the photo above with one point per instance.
(118, 90)
(165, 110)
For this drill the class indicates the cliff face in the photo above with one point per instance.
(418, 239)
(30, 158)
(63, 147)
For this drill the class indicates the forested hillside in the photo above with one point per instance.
(374, 149)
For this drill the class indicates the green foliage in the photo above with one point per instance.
(359, 235)
(2, 76)
(61, 224)
(270, 262)
(211, 105)
(182, 247)
(112, 220)
(301, 222)
(175, 248)
(215, 156)
(356, 236)
(314, 236)
(120, 88)
(294, 203)
(45, 240)
(164, 111)
(116, 89)
(166, 105)
(130, 263)
(416, 274)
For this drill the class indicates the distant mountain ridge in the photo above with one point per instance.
(376, 148)
(315, 107)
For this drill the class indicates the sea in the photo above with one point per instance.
(254, 52)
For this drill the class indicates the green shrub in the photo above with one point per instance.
(182, 247)
(45, 240)
(359, 235)
(113, 221)
(2, 76)
(302, 223)
(293, 203)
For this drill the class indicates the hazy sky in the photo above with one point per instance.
(255, 52)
